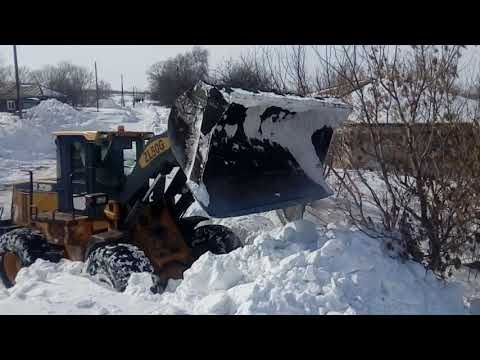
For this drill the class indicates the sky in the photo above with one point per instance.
(133, 60)
(112, 60)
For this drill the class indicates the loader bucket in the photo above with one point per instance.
(247, 152)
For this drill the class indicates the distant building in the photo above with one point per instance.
(30, 94)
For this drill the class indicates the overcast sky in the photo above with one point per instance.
(133, 60)
(112, 60)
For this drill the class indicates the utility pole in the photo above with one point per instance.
(96, 82)
(122, 100)
(19, 103)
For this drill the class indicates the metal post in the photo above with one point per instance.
(122, 101)
(19, 102)
(96, 82)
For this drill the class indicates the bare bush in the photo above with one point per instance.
(246, 73)
(7, 74)
(24, 74)
(67, 78)
(168, 79)
(76, 82)
(332, 73)
(411, 162)
(296, 69)
(3, 76)
(281, 69)
(286, 67)
(104, 89)
(104, 92)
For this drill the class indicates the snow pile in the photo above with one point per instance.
(53, 113)
(47, 288)
(300, 268)
(8, 124)
(28, 143)
(31, 136)
(6, 119)
(306, 121)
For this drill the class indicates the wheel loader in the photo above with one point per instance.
(119, 199)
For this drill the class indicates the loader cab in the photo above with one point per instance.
(93, 162)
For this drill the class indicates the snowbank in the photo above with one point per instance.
(304, 269)
(31, 137)
(300, 268)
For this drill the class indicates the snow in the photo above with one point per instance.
(284, 270)
(310, 120)
(309, 266)
(306, 116)
(248, 99)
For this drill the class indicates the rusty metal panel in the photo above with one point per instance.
(43, 201)
(160, 238)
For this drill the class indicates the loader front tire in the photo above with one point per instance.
(115, 263)
(217, 239)
(20, 248)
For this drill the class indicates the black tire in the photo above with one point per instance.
(27, 245)
(217, 239)
(115, 263)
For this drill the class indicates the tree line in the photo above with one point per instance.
(74, 81)
(277, 69)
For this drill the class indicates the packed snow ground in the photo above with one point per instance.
(304, 267)
(300, 268)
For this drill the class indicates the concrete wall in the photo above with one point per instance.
(353, 147)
